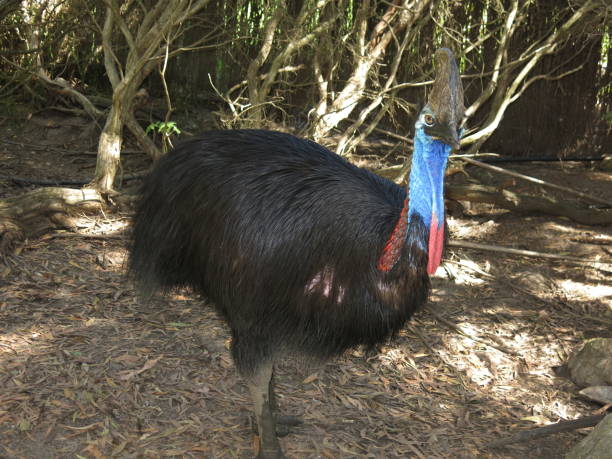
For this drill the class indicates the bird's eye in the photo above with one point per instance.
(429, 120)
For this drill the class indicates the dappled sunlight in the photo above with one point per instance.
(78, 327)
(463, 228)
(90, 370)
(467, 272)
(584, 291)
(552, 410)
(80, 348)
(21, 343)
(101, 225)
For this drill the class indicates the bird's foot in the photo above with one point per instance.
(274, 454)
(284, 423)
(371, 352)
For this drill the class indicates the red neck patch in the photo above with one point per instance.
(394, 244)
(436, 244)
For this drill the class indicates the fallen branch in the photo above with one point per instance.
(525, 253)
(34, 213)
(561, 426)
(507, 199)
(43, 182)
(565, 189)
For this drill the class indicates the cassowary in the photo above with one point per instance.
(299, 250)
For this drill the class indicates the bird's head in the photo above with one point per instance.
(437, 132)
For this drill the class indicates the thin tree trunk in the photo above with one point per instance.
(145, 49)
(257, 95)
(109, 148)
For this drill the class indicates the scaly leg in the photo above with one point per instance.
(259, 385)
(283, 422)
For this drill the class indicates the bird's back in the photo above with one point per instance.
(282, 235)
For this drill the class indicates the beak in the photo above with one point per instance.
(445, 133)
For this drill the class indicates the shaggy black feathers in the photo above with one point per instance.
(283, 237)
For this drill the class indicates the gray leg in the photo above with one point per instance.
(271, 395)
(283, 422)
(259, 385)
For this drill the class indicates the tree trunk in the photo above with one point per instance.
(109, 148)
(145, 49)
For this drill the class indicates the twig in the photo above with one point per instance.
(538, 181)
(388, 133)
(525, 253)
(475, 155)
(561, 426)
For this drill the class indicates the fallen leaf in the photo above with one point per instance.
(147, 366)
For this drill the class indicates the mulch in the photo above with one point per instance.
(89, 370)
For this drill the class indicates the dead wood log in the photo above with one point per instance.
(515, 202)
(34, 213)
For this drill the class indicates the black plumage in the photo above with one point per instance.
(298, 250)
(283, 237)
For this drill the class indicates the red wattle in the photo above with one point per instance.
(393, 247)
(436, 243)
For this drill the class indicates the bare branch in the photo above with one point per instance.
(507, 95)
(395, 19)
(114, 10)
(111, 62)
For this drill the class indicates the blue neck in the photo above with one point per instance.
(426, 187)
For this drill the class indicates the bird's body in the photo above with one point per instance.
(283, 237)
(299, 250)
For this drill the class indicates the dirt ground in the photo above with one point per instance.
(87, 370)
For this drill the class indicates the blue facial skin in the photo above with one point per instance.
(429, 160)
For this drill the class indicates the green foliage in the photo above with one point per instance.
(59, 38)
(165, 128)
